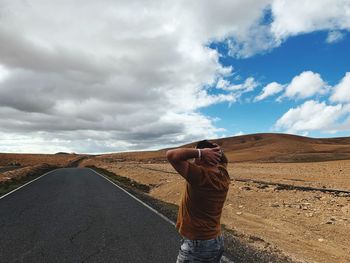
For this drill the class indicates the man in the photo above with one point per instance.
(198, 220)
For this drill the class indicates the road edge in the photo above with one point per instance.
(223, 258)
(31, 181)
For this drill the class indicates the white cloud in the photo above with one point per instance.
(341, 92)
(290, 18)
(237, 90)
(239, 133)
(306, 85)
(257, 39)
(269, 90)
(303, 16)
(311, 116)
(3, 73)
(93, 73)
(345, 125)
(334, 37)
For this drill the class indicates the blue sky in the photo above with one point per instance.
(135, 75)
(305, 52)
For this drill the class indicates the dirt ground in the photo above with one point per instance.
(16, 166)
(8, 159)
(307, 226)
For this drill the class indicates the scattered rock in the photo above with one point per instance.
(346, 210)
(343, 194)
(262, 186)
(309, 214)
(239, 213)
(246, 188)
(320, 240)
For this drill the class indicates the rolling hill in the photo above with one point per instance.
(263, 147)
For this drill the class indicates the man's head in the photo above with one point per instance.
(207, 144)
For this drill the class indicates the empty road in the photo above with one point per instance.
(74, 215)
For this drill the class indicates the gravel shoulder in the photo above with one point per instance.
(303, 226)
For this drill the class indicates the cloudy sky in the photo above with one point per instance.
(116, 75)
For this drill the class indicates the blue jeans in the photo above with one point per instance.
(210, 250)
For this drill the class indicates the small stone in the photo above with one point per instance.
(239, 213)
(320, 240)
(240, 206)
(346, 210)
(262, 186)
(309, 214)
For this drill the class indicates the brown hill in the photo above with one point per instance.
(269, 147)
(25, 159)
(263, 147)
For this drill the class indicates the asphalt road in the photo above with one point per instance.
(74, 215)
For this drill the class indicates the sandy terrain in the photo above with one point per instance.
(308, 226)
(331, 174)
(20, 172)
(16, 166)
(6, 159)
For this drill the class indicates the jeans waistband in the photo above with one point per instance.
(198, 241)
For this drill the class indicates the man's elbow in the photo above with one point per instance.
(170, 155)
(173, 156)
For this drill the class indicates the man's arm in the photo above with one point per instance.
(178, 158)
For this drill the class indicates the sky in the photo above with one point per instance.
(109, 76)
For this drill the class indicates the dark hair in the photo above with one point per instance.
(207, 144)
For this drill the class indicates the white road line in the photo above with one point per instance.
(146, 205)
(14, 190)
(223, 258)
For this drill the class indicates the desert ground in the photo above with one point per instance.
(307, 225)
(18, 166)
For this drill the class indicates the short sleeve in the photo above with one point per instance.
(195, 174)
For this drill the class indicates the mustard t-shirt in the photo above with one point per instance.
(202, 202)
